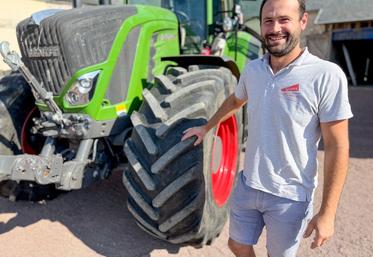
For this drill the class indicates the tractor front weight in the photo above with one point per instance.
(49, 168)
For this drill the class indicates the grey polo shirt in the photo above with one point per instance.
(284, 114)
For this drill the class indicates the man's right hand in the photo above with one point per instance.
(199, 132)
(227, 109)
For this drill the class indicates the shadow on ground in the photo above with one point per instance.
(98, 216)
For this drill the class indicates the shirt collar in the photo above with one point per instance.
(297, 62)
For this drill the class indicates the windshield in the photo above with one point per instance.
(190, 13)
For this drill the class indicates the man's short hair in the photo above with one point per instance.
(302, 8)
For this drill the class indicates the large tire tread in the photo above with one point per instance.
(171, 155)
(194, 88)
(139, 199)
(174, 187)
(144, 176)
(136, 119)
(167, 190)
(195, 110)
(150, 99)
(164, 82)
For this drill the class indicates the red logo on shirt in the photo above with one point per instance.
(292, 88)
(291, 92)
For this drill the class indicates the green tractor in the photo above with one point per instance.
(113, 88)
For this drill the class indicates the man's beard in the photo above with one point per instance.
(280, 50)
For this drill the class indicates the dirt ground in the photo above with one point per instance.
(95, 221)
(12, 12)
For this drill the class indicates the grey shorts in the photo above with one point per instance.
(285, 219)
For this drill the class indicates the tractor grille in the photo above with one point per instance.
(42, 54)
(68, 41)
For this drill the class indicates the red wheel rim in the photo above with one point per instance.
(224, 160)
(26, 133)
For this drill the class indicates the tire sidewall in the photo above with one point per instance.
(216, 215)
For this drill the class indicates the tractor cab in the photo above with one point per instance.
(193, 18)
(199, 20)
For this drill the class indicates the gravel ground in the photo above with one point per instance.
(95, 221)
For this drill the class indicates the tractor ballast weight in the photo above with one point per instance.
(111, 86)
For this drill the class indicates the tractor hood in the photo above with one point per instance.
(56, 44)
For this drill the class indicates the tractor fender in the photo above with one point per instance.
(187, 60)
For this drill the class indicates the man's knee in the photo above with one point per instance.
(241, 250)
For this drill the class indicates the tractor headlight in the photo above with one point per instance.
(82, 89)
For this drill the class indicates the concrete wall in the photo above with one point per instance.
(317, 38)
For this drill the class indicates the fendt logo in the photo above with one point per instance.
(34, 49)
(44, 51)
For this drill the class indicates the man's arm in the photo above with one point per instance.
(227, 109)
(336, 144)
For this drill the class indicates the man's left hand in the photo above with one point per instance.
(324, 229)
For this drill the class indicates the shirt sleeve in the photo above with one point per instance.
(240, 91)
(334, 104)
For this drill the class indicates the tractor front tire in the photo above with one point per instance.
(179, 192)
(16, 102)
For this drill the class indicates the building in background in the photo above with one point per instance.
(342, 31)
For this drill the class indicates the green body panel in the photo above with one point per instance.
(153, 21)
(210, 12)
(243, 48)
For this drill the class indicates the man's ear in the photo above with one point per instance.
(304, 21)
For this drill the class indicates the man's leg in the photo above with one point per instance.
(246, 221)
(241, 250)
(286, 221)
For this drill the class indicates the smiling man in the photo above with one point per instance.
(293, 98)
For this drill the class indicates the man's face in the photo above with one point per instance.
(281, 26)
